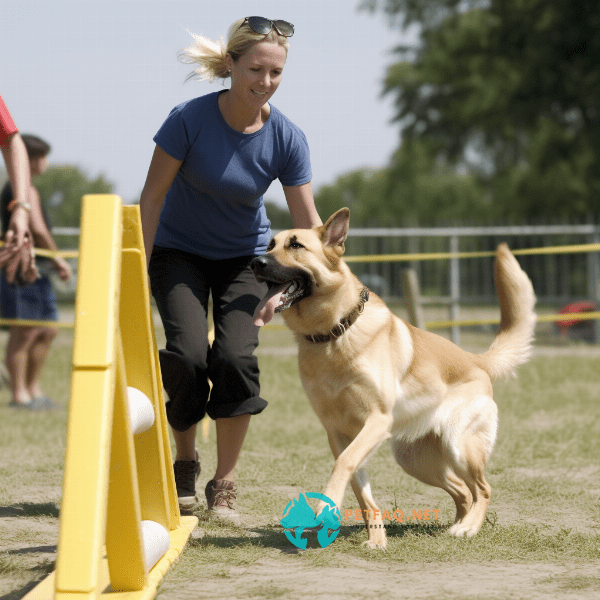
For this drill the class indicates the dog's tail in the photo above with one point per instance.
(512, 345)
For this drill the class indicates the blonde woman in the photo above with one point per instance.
(204, 220)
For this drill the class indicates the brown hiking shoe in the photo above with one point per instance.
(186, 473)
(220, 499)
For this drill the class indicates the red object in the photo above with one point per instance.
(7, 125)
(575, 307)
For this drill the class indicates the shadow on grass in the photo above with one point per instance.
(29, 509)
(274, 537)
(33, 550)
(39, 572)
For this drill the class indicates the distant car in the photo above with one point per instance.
(574, 328)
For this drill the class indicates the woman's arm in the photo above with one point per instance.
(301, 203)
(42, 236)
(162, 172)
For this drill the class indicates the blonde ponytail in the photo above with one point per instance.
(210, 56)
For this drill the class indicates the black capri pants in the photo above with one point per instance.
(181, 283)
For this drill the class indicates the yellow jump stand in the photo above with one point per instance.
(120, 528)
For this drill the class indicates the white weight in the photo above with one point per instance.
(141, 411)
(156, 542)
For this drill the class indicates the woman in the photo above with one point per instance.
(28, 346)
(204, 218)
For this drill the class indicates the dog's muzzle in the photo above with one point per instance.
(292, 283)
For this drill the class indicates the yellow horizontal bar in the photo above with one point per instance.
(31, 323)
(577, 249)
(52, 253)
(585, 316)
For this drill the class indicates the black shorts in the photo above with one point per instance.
(181, 283)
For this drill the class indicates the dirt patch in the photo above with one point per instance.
(586, 474)
(362, 579)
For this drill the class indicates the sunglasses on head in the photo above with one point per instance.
(264, 26)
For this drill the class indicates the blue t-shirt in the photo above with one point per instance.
(215, 207)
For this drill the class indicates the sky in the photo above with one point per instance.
(96, 79)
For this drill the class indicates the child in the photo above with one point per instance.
(28, 345)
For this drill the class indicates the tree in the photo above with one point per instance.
(425, 13)
(508, 91)
(280, 217)
(412, 191)
(61, 188)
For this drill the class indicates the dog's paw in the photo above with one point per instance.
(376, 545)
(463, 530)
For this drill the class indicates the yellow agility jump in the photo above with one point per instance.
(120, 528)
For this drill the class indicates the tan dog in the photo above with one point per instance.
(370, 376)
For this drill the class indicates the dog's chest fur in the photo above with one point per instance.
(345, 378)
(384, 364)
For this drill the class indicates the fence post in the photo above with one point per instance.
(410, 283)
(594, 280)
(454, 289)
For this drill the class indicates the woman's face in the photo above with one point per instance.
(256, 75)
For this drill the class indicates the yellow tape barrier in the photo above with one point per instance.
(582, 316)
(576, 249)
(29, 323)
(52, 253)
(585, 316)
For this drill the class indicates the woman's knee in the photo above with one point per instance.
(21, 338)
(47, 334)
(232, 362)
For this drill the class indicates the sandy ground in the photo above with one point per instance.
(283, 577)
(29, 550)
(506, 581)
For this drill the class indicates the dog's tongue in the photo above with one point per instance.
(266, 308)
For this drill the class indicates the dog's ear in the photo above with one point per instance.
(336, 230)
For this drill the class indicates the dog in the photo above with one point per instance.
(370, 376)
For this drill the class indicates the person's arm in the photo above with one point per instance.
(17, 166)
(162, 172)
(42, 236)
(301, 203)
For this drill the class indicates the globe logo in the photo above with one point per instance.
(299, 517)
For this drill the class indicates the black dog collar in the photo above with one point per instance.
(344, 324)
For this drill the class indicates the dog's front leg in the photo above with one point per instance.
(375, 430)
(369, 511)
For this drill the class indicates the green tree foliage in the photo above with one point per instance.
(507, 91)
(280, 217)
(61, 188)
(413, 191)
(424, 13)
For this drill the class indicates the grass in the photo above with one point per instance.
(544, 473)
